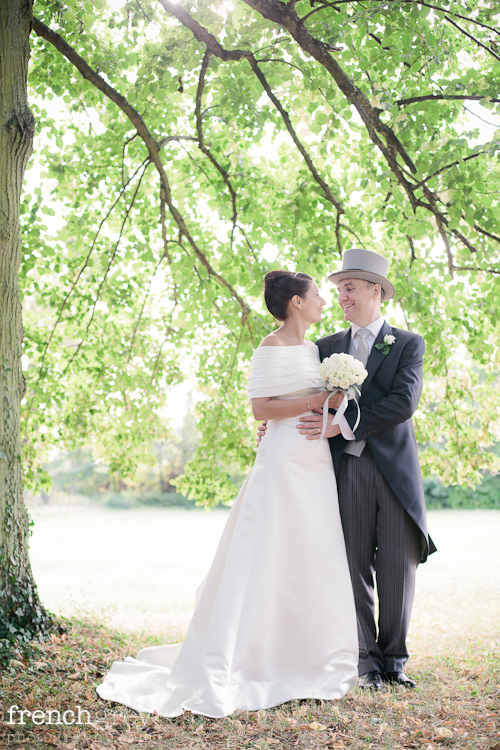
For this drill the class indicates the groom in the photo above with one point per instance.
(380, 489)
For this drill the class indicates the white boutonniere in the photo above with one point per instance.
(385, 347)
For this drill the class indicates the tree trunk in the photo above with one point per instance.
(21, 614)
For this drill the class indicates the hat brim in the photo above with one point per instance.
(354, 273)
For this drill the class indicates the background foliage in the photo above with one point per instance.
(184, 149)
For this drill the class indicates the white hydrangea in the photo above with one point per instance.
(342, 371)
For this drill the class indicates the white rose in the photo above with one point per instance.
(389, 339)
(342, 371)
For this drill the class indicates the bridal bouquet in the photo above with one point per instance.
(341, 373)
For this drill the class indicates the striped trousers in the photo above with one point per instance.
(383, 550)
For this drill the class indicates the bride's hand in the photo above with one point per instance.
(310, 426)
(318, 399)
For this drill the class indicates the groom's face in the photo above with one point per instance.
(359, 300)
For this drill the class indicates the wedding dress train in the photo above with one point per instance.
(275, 617)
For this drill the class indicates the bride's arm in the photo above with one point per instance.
(276, 408)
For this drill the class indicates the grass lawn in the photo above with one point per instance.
(126, 579)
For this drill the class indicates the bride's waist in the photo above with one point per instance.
(288, 421)
(299, 394)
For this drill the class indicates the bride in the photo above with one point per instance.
(275, 618)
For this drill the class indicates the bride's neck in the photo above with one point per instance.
(294, 331)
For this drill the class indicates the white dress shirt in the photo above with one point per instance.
(374, 328)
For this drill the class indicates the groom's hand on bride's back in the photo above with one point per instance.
(261, 431)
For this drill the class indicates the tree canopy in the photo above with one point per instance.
(188, 147)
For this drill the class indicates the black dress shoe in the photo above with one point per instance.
(370, 680)
(399, 678)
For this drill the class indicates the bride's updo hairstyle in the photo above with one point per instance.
(279, 288)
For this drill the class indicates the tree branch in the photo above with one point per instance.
(437, 97)
(473, 38)
(337, 235)
(446, 242)
(493, 271)
(167, 334)
(300, 147)
(200, 33)
(108, 268)
(169, 138)
(410, 2)
(468, 244)
(278, 59)
(442, 223)
(215, 48)
(447, 166)
(457, 15)
(286, 17)
(315, 10)
(385, 47)
(124, 149)
(152, 146)
(486, 233)
(351, 231)
(79, 275)
(279, 13)
(483, 119)
(201, 140)
(137, 322)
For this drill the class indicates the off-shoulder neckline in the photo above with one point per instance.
(312, 345)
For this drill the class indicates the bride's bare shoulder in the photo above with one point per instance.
(272, 340)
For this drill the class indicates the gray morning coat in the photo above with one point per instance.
(389, 397)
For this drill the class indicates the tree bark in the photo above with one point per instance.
(21, 614)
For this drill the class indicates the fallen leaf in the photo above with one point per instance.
(118, 718)
(40, 665)
(317, 727)
(302, 711)
(444, 733)
(16, 663)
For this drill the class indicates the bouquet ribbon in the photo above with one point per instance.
(348, 394)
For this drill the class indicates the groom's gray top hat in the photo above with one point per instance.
(366, 265)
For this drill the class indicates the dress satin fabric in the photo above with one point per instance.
(274, 619)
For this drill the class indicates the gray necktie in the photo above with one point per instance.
(354, 448)
(362, 349)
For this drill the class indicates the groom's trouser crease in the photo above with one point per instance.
(381, 538)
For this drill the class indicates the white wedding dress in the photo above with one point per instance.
(275, 618)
